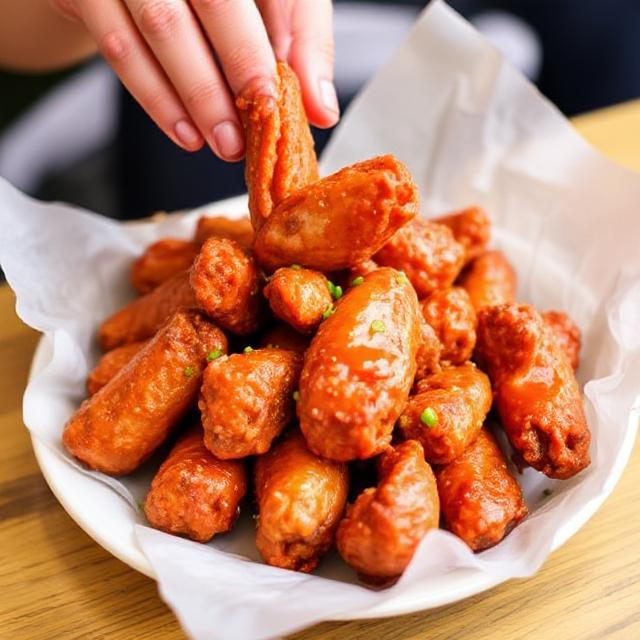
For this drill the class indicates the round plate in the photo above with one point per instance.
(88, 502)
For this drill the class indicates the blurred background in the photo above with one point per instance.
(77, 136)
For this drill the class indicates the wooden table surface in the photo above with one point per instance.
(58, 583)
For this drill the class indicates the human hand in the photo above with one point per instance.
(184, 61)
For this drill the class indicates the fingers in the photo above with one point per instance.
(311, 57)
(125, 50)
(174, 36)
(238, 34)
(276, 15)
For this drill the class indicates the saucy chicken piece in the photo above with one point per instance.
(246, 400)
(223, 282)
(383, 528)
(471, 227)
(161, 261)
(535, 390)
(141, 318)
(427, 252)
(429, 352)
(193, 493)
(226, 285)
(280, 156)
(341, 220)
(301, 498)
(480, 499)
(110, 363)
(450, 313)
(120, 426)
(299, 296)
(566, 333)
(447, 411)
(283, 336)
(489, 279)
(359, 368)
(239, 230)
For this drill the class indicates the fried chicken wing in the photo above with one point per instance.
(384, 526)
(223, 282)
(471, 227)
(301, 498)
(566, 333)
(161, 261)
(299, 296)
(450, 313)
(280, 156)
(246, 400)
(141, 318)
(194, 494)
(429, 352)
(359, 368)
(239, 230)
(447, 411)
(489, 279)
(341, 220)
(226, 285)
(110, 363)
(427, 252)
(480, 499)
(535, 390)
(283, 336)
(120, 426)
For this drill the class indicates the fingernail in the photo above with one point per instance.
(227, 140)
(328, 95)
(188, 135)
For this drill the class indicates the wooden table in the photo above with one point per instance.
(57, 583)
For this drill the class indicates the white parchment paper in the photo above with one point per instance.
(473, 131)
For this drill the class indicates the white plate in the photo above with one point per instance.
(106, 517)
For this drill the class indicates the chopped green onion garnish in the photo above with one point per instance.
(334, 290)
(429, 417)
(248, 350)
(328, 312)
(213, 355)
(546, 493)
(377, 326)
(401, 278)
(188, 372)
(296, 395)
(296, 266)
(356, 281)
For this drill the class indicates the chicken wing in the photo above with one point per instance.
(382, 529)
(239, 230)
(120, 426)
(447, 411)
(471, 227)
(299, 296)
(427, 252)
(450, 313)
(341, 220)
(535, 390)
(194, 494)
(110, 363)
(359, 368)
(301, 498)
(489, 279)
(161, 261)
(480, 499)
(280, 156)
(246, 400)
